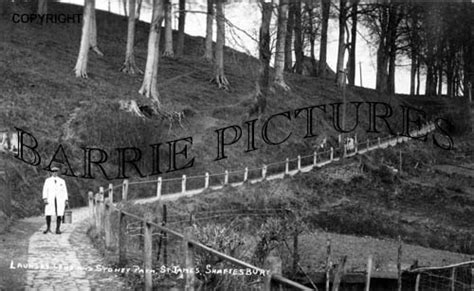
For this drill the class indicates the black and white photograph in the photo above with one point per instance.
(237, 145)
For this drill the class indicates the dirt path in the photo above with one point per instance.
(34, 260)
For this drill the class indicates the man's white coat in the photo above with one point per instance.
(55, 187)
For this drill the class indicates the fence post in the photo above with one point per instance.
(315, 158)
(246, 174)
(369, 273)
(332, 154)
(368, 144)
(273, 263)
(188, 250)
(125, 190)
(399, 264)
(147, 252)
(165, 236)
(453, 279)
(417, 282)
(206, 180)
(339, 274)
(96, 211)
(158, 187)
(299, 163)
(287, 166)
(378, 139)
(90, 195)
(100, 208)
(226, 177)
(328, 264)
(107, 222)
(122, 239)
(264, 172)
(111, 193)
(183, 184)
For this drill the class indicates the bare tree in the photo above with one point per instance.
(264, 56)
(298, 35)
(220, 77)
(290, 26)
(168, 51)
(352, 47)
(129, 66)
(209, 22)
(88, 39)
(181, 24)
(280, 45)
(325, 7)
(340, 72)
(149, 86)
(311, 26)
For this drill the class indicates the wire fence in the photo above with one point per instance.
(457, 277)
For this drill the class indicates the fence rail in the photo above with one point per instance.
(192, 185)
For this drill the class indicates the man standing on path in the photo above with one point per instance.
(55, 198)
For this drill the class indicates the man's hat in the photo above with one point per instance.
(55, 169)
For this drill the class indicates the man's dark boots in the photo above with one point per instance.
(48, 224)
(58, 224)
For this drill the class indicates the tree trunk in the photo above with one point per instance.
(382, 54)
(149, 86)
(418, 67)
(352, 50)
(264, 55)
(209, 22)
(325, 7)
(440, 80)
(392, 46)
(340, 73)
(125, 8)
(129, 66)
(299, 55)
(181, 24)
(312, 41)
(280, 45)
(290, 24)
(81, 65)
(139, 9)
(42, 7)
(382, 63)
(93, 32)
(430, 80)
(391, 70)
(264, 46)
(220, 78)
(168, 51)
(413, 72)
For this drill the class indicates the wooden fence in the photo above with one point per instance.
(101, 209)
(187, 186)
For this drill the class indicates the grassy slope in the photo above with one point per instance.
(41, 95)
